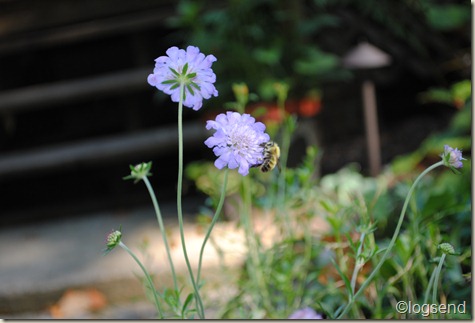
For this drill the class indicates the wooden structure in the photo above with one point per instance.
(76, 110)
(74, 96)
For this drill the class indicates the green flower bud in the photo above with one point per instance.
(112, 240)
(447, 248)
(139, 172)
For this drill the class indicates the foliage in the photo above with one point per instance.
(342, 244)
(261, 42)
(447, 16)
(316, 269)
(331, 233)
(458, 134)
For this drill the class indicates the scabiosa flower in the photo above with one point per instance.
(452, 157)
(306, 313)
(190, 68)
(237, 141)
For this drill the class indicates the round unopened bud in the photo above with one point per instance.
(447, 248)
(139, 172)
(112, 240)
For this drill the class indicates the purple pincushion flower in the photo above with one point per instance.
(190, 68)
(452, 157)
(237, 141)
(306, 313)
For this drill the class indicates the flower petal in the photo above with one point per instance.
(236, 141)
(190, 68)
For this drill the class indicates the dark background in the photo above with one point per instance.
(73, 76)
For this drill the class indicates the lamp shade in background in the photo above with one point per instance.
(365, 57)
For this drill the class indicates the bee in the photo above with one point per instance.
(271, 155)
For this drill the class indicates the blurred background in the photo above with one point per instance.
(76, 109)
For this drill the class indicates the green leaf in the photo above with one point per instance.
(329, 206)
(190, 89)
(436, 95)
(345, 279)
(185, 69)
(259, 112)
(187, 302)
(169, 82)
(462, 90)
(316, 63)
(174, 72)
(268, 56)
(448, 17)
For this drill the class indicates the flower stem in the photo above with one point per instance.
(255, 269)
(286, 136)
(162, 228)
(429, 286)
(357, 266)
(149, 279)
(436, 279)
(391, 243)
(215, 218)
(199, 302)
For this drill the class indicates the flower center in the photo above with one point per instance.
(242, 140)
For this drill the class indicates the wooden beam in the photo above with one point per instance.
(72, 32)
(158, 141)
(41, 95)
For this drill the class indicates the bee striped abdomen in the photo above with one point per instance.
(271, 155)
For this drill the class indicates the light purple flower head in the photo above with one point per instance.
(237, 141)
(190, 68)
(306, 313)
(452, 157)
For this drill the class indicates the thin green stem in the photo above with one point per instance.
(357, 266)
(162, 228)
(306, 267)
(339, 250)
(256, 270)
(436, 279)
(429, 286)
(213, 222)
(199, 302)
(149, 279)
(391, 243)
(282, 179)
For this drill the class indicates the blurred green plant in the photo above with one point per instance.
(261, 42)
(331, 233)
(457, 134)
(447, 16)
